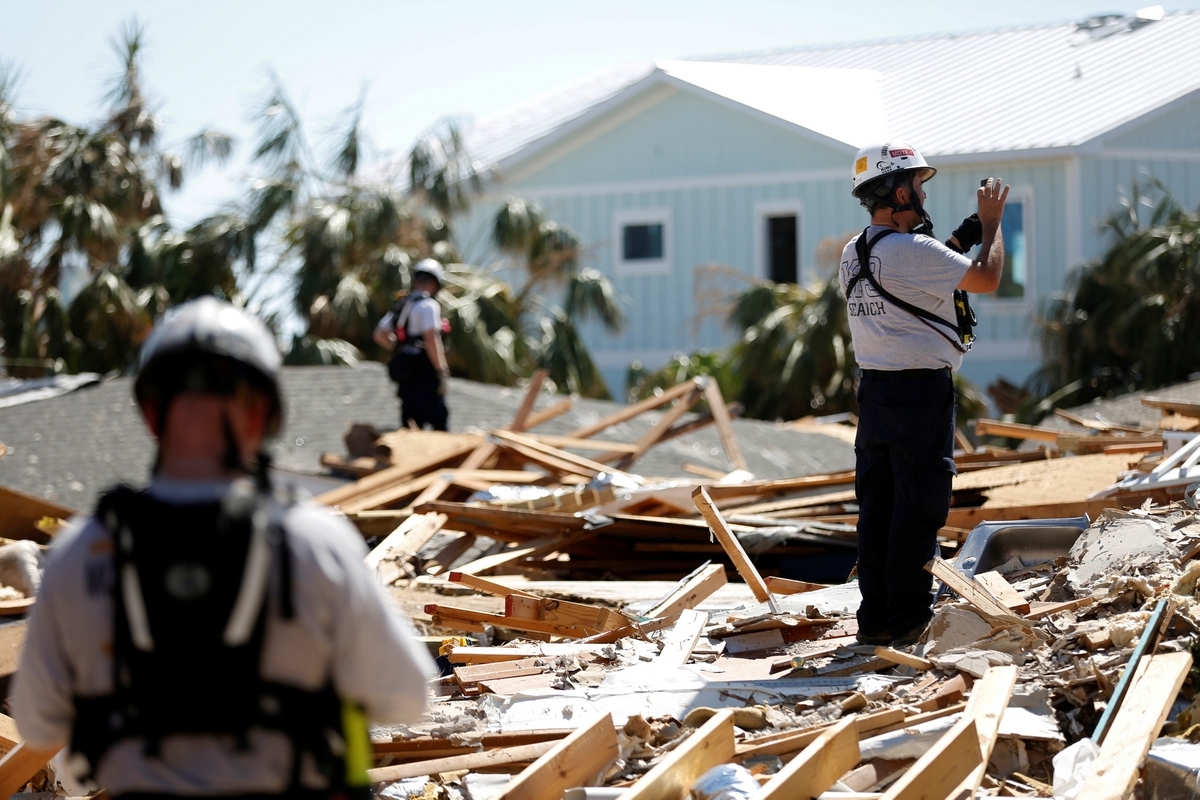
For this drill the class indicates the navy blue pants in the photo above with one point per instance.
(905, 465)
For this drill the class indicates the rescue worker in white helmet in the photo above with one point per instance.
(900, 285)
(207, 636)
(413, 332)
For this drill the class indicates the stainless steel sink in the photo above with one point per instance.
(1033, 541)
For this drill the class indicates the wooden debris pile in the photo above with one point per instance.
(1019, 662)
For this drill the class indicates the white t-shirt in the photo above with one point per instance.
(345, 627)
(424, 315)
(919, 270)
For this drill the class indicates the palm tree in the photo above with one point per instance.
(89, 199)
(1129, 319)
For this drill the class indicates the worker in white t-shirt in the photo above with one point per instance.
(910, 332)
(413, 331)
(207, 636)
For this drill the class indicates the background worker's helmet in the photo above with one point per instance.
(208, 345)
(430, 267)
(877, 166)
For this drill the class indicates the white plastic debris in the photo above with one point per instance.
(1071, 768)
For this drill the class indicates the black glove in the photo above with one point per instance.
(968, 234)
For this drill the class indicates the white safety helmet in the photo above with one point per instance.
(432, 268)
(179, 356)
(886, 161)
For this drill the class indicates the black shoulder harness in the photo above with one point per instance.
(190, 596)
(863, 247)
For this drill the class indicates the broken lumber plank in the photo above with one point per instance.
(943, 767)
(548, 413)
(656, 432)
(716, 405)
(1136, 725)
(973, 593)
(781, 744)
(473, 654)
(1015, 430)
(469, 678)
(521, 418)
(631, 411)
(20, 513)
(679, 642)
(639, 629)
(451, 614)
(733, 547)
(1097, 425)
(404, 542)
(533, 547)
(400, 473)
(602, 445)
(1040, 610)
(818, 767)
(694, 589)
(904, 659)
(476, 459)
(578, 760)
(501, 757)
(19, 765)
(453, 551)
(758, 489)
(526, 444)
(386, 496)
(486, 586)
(999, 588)
(673, 776)
(989, 698)
(789, 586)
(1175, 406)
(561, 612)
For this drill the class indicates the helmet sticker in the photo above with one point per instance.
(860, 165)
(902, 152)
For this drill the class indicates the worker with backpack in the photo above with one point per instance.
(208, 635)
(911, 325)
(413, 332)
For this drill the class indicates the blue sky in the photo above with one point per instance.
(206, 62)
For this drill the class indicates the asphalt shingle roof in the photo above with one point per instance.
(70, 448)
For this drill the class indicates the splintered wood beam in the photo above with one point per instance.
(631, 411)
(716, 404)
(578, 760)
(449, 616)
(521, 418)
(833, 754)
(500, 757)
(781, 744)
(476, 459)
(733, 548)
(1014, 430)
(696, 588)
(902, 658)
(486, 586)
(943, 767)
(673, 776)
(585, 444)
(682, 638)
(561, 612)
(999, 588)
(788, 586)
(656, 432)
(754, 489)
(548, 413)
(1151, 693)
(534, 547)
(581, 464)
(19, 765)
(395, 475)
(453, 551)
(388, 495)
(973, 593)
(989, 698)
(404, 542)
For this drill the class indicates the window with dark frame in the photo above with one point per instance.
(782, 263)
(642, 242)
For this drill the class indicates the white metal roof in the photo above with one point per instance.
(994, 91)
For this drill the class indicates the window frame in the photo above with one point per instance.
(764, 210)
(1011, 306)
(642, 267)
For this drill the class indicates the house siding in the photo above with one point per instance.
(711, 166)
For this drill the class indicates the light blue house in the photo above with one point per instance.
(686, 178)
